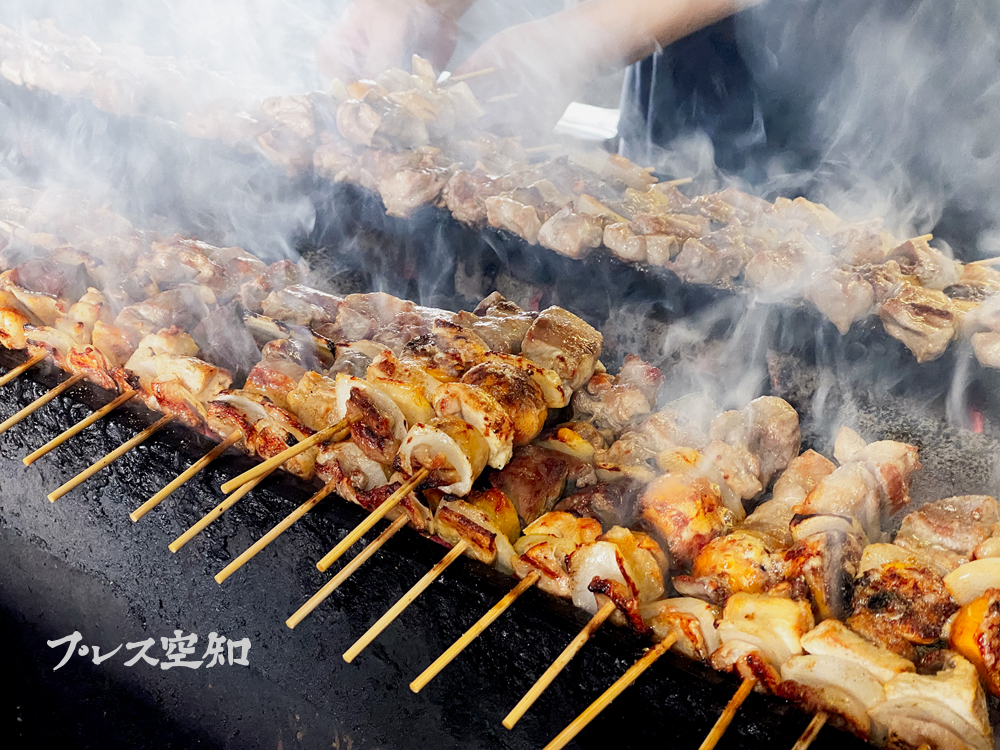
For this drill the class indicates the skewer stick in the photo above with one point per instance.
(362, 528)
(811, 731)
(681, 181)
(923, 238)
(22, 368)
(39, 402)
(407, 599)
(983, 262)
(185, 475)
(501, 98)
(274, 462)
(470, 75)
(316, 599)
(470, 635)
(217, 511)
(541, 149)
(728, 713)
(274, 533)
(77, 428)
(558, 665)
(590, 713)
(113, 456)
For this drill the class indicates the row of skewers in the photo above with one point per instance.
(412, 140)
(405, 412)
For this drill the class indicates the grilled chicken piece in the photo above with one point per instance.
(851, 491)
(768, 427)
(547, 544)
(171, 379)
(842, 688)
(614, 402)
(570, 233)
(681, 226)
(824, 567)
(534, 479)
(452, 450)
(266, 430)
(923, 319)
(950, 530)
(833, 638)
(686, 513)
(487, 521)
(946, 710)
(300, 305)
(611, 503)
(386, 319)
(448, 351)
(407, 384)
(406, 190)
(183, 306)
(624, 243)
(314, 400)
(377, 423)
(693, 620)
(504, 212)
(891, 462)
(564, 343)
(898, 605)
(498, 322)
(515, 391)
(13, 319)
(843, 295)
(465, 194)
(481, 410)
(932, 268)
(347, 465)
(975, 634)
(277, 373)
(741, 561)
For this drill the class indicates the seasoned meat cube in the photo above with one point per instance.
(950, 529)
(686, 513)
(611, 503)
(923, 319)
(504, 212)
(465, 194)
(534, 479)
(571, 234)
(560, 341)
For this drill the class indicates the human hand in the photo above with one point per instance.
(375, 35)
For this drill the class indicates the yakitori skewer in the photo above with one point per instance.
(472, 633)
(78, 427)
(274, 533)
(405, 601)
(111, 457)
(217, 511)
(590, 713)
(185, 475)
(727, 714)
(346, 572)
(22, 368)
(328, 433)
(39, 402)
(811, 731)
(558, 665)
(373, 518)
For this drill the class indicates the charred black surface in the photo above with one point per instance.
(80, 564)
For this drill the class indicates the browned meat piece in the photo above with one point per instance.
(862, 242)
(740, 561)
(613, 403)
(405, 191)
(842, 295)
(923, 319)
(681, 226)
(534, 479)
(611, 503)
(934, 269)
(448, 352)
(516, 392)
(301, 305)
(371, 430)
(571, 234)
(986, 345)
(825, 566)
(715, 257)
(739, 467)
(812, 214)
(731, 206)
(358, 122)
(292, 112)
(503, 212)
(950, 529)
(898, 605)
(465, 194)
(183, 306)
(625, 243)
(52, 278)
(685, 513)
(976, 283)
(564, 343)
(499, 322)
(768, 427)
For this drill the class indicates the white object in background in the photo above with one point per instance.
(587, 122)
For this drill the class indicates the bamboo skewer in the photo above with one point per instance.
(470, 75)
(274, 533)
(217, 511)
(542, 683)
(501, 98)
(811, 731)
(728, 713)
(680, 181)
(541, 149)
(590, 713)
(113, 456)
(39, 402)
(22, 368)
(78, 428)
(472, 633)
(362, 528)
(274, 462)
(983, 262)
(316, 599)
(405, 601)
(184, 476)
